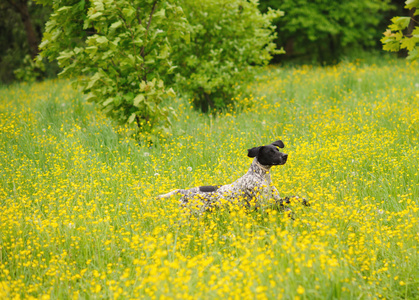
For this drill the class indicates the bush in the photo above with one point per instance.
(228, 38)
(119, 51)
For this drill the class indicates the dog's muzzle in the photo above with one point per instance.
(284, 158)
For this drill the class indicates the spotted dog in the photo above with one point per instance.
(249, 190)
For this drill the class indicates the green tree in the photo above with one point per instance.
(324, 30)
(403, 33)
(21, 27)
(228, 38)
(22, 8)
(119, 51)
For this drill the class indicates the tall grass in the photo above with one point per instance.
(79, 220)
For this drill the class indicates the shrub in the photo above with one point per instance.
(228, 38)
(120, 50)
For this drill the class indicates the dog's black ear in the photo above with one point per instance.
(279, 144)
(253, 152)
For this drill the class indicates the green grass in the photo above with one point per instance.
(79, 220)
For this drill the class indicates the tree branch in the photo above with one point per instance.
(148, 26)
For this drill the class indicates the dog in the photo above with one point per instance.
(250, 190)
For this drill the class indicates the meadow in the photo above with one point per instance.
(79, 218)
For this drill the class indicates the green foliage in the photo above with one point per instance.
(120, 50)
(228, 38)
(30, 70)
(401, 34)
(325, 30)
(14, 48)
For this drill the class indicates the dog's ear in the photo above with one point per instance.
(253, 152)
(279, 144)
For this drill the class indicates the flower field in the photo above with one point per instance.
(79, 218)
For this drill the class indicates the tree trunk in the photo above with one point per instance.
(21, 7)
(412, 23)
(289, 47)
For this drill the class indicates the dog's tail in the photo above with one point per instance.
(170, 194)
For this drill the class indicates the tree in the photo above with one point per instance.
(21, 27)
(120, 52)
(324, 30)
(21, 7)
(228, 38)
(403, 33)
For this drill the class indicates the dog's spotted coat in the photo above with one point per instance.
(249, 190)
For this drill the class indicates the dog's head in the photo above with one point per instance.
(269, 155)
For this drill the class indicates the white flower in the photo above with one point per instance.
(71, 225)
(146, 154)
(189, 169)
(156, 174)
